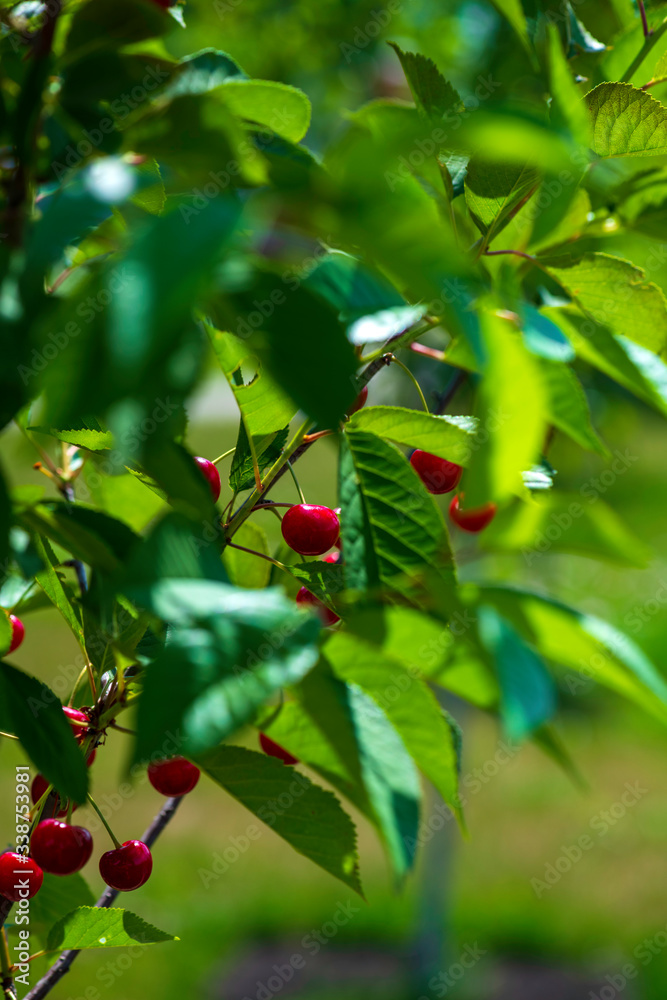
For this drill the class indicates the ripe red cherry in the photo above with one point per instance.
(208, 468)
(359, 402)
(472, 520)
(173, 777)
(437, 474)
(78, 721)
(39, 786)
(127, 867)
(20, 877)
(310, 530)
(334, 558)
(274, 749)
(305, 599)
(60, 848)
(18, 633)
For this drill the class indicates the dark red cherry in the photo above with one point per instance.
(274, 749)
(437, 474)
(60, 848)
(173, 777)
(211, 473)
(359, 402)
(78, 721)
(309, 529)
(39, 786)
(127, 867)
(20, 877)
(304, 599)
(18, 633)
(472, 520)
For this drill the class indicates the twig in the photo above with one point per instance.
(642, 11)
(515, 253)
(448, 394)
(5, 908)
(62, 965)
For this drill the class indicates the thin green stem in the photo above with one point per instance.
(405, 368)
(6, 967)
(93, 803)
(251, 552)
(649, 42)
(296, 482)
(224, 455)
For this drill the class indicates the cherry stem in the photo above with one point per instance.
(642, 11)
(122, 729)
(296, 482)
(654, 83)
(514, 253)
(450, 391)
(429, 352)
(251, 552)
(224, 455)
(9, 736)
(309, 438)
(395, 361)
(95, 806)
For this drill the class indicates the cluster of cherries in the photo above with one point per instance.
(60, 848)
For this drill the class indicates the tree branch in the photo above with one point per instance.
(62, 965)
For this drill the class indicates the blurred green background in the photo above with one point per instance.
(605, 917)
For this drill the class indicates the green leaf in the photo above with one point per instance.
(513, 11)
(347, 739)
(568, 406)
(391, 528)
(511, 424)
(90, 536)
(5, 521)
(265, 407)
(176, 549)
(638, 369)
(57, 897)
(615, 293)
(52, 585)
(267, 448)
(626, 121)
(445, 436)
(580, 37)
(587, 646)
(102, 927)
(244, 569)
(309, 818)
(31, 711)
(544, 338)
(283, 109)
(527, 693)
(566, 522)
(89, 435)
(433, 95)
(125, 496)
(408, 703)
(203, 71)
(228, 652)
(495, 192)
(113, 23)
(567, 105)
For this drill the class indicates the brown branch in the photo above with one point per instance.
(63, 964)
(5, 908)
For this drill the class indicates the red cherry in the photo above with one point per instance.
(274, 749)
(60, 848)
(333, 557)
(173, 777)
(15, 871)
(39, 786)
(309, 529)
(437, 474)
(359, 402)
(208, 468)
(127, 867)
(18, 633)
(305, 598)
(78, 721)
(472, 520)
(91, 758)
